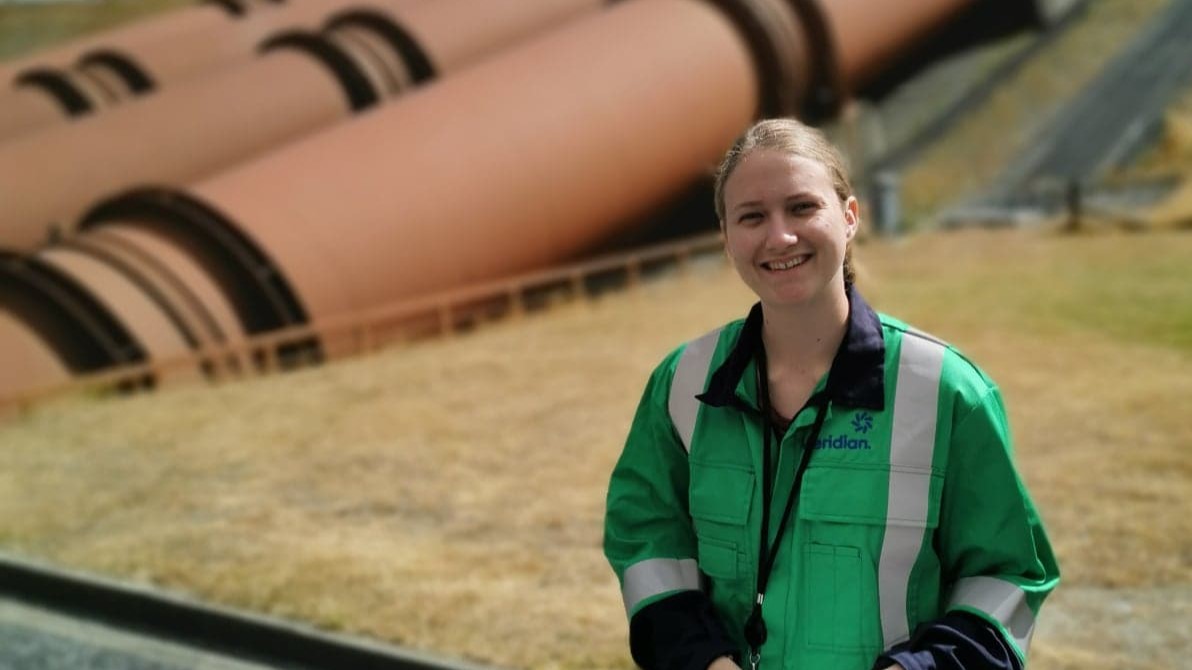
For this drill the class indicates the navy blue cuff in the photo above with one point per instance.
(680, 632)
(956, 641)
(909, 660)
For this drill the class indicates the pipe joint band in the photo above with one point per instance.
(234, 8)
(118, 265)
(412, 55)
(59, 86)
(69, 319)
(134, 76)
(254, 285)
(825, 87)
(773, 35)
(361, 93)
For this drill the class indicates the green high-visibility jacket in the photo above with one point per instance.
(910, 507)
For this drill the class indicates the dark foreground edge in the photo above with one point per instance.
(222, 630)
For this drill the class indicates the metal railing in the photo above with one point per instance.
(338, 337)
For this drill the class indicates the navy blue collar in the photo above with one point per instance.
(856, 378)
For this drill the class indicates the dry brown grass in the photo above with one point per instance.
(1172, 155)
(449, 496)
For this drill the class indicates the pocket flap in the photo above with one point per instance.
(718, 559)
(720, 493)
(844, 494)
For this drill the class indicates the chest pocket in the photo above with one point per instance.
(719, 500)
(848, 522)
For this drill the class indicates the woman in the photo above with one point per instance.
(817, 486)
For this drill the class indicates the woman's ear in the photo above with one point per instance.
(852, 216)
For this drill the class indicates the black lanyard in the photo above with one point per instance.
(755, 625)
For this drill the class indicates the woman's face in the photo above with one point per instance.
(785, 228)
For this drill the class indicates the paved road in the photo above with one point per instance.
(36, 639)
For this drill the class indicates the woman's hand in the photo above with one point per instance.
(894, 667)
(724, 663)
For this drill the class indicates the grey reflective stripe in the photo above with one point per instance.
(655, 576)
(912, 447)
(690, 375)
(1002, 600)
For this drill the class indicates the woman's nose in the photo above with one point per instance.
(780, 232)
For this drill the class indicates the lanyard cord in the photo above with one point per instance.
(755, 626)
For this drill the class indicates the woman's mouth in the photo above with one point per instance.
(784, 264)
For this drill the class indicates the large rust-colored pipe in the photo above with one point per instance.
(143, 279)
(548, 121)
(104, 71)
(47, 179)
(516, 163)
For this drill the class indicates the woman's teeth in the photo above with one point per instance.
(785, 265)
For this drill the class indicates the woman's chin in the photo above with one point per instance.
(786, 299)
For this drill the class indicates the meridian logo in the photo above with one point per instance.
(862, 423)
(842, 442)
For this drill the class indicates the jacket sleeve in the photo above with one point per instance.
(997, 562)
(650, 542)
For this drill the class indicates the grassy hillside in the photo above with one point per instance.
(26, 28)
(449, 496)
(973, 152)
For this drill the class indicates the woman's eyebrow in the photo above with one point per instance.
(748, 204)
(798, 195)
(739, 208)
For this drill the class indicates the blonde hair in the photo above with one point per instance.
(793, 137)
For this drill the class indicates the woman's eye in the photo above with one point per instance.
(803, 207)
(749, 217)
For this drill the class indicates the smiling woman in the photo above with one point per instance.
(786, 229)
(786, 143)
(808, 486)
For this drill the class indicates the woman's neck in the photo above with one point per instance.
(804, 338)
